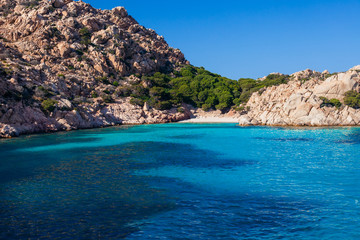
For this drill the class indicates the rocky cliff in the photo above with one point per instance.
(62, 61)
(304, 101)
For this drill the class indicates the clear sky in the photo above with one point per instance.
(252, 38)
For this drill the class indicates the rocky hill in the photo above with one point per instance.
(62, 62)
(309, 99)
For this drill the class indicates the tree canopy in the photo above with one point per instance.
(195, 86)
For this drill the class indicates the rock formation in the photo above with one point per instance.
(62, 62)
(300, 101)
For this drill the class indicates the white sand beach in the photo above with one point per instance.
(200, 116)
(211, 120)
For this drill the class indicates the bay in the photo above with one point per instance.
(182, 181)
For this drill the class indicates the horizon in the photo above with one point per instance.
(235, 38)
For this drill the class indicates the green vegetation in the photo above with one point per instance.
(116, 83)
(330, 75)
(44, 90)
(249, 86)
(6, 71)
(303, 80)
(335, 102)
(330, 103)
(48, 105)
(94, 94)
(195, 86)
(85, 35)
(180, 109)
(107, 98)
(43, 93)
(191, 85)
(103, 79)
(352, 99)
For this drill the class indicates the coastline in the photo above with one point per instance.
(199, 120)
(211, 120)
(191, 115)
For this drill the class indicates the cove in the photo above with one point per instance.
(182, 181)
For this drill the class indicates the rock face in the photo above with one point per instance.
(62, 63)
(298, 103)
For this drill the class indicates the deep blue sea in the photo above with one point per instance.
(182, 181)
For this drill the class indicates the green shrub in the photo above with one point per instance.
(206, 107)
(221, 106)
(85, 35)
(330, 75)
(107, 98)
(116, 83)
(180, 109)
(137, 101)
(48, 105)
(239, 108)
(330, 103)
(94, 94)
(163, 105)
(195, 86)
(249, 86)
(6, 71)
(352, 99)
(103, 79)
(303, 80)
(124, 91)
(42, 92)
(335, 102)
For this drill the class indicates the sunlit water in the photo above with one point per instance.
(182, 181)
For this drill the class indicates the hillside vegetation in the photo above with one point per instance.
(195, 86)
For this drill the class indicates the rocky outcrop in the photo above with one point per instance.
(298, 102)
(62, 63)
(23, 119)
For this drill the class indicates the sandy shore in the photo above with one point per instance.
(200, 116)
(211, 120)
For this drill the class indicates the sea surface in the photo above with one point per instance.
(182, 181)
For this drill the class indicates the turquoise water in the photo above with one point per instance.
(182, 181)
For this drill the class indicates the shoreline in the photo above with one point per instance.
(211, 120)
(199, 120)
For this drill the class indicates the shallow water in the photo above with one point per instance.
(182, 181)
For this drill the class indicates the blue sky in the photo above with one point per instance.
(252, 38)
